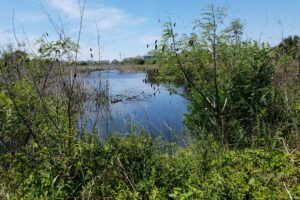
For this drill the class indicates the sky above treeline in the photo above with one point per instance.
(127, 26)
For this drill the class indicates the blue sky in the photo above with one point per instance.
(127, 26)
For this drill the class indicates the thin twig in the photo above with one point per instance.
(125, 174)
(287, 191)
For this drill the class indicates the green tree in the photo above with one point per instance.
(230, 82)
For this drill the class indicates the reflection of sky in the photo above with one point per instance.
(156, 110)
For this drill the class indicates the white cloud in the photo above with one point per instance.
(107, 16)
(68, 7)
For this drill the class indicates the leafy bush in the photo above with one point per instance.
(232, 84)
(138, 167)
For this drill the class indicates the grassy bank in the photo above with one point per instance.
(123, 68)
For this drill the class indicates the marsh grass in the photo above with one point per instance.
(122, 68)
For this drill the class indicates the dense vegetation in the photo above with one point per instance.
(244, 117)
(243, 91)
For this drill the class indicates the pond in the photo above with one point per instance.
(134, 104)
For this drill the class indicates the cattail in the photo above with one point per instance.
(91, 55)
(91, 49)
(155, 41)
(191, 42)
(147, 45)
(174, 24)
(156, 47)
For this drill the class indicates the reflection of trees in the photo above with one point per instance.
(123, 110)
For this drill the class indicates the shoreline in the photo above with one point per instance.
(123, 68)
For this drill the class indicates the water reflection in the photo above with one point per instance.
(134, 104)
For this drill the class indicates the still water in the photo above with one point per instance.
(134, 105)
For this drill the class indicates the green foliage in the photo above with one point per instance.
(150, 62)
(14, 56)
(290, 46)
(138, 167)
(252, 153)
(115, 62)
(234, 86)
(60, 49)
(135, 61)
